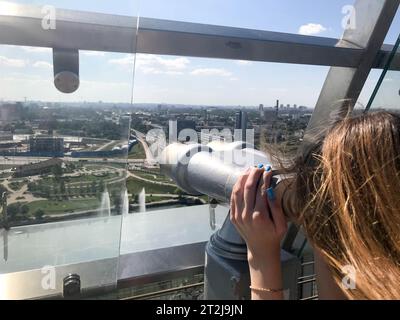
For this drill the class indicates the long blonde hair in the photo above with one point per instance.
(350, 203)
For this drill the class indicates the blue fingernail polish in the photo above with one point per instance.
(271, 194)
(260, 166)
(268, 168)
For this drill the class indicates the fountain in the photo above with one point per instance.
(105, 206)
(125, 203)
(142, 201)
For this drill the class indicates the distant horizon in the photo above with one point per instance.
(150, 104)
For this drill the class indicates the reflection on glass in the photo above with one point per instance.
(212, 98)
(387, 92)
(63, 161)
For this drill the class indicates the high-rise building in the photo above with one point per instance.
(261, 110)
(241, 123)
(6, 136)
(10, 112)
(49, 146)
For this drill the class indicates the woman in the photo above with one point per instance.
(346, 198)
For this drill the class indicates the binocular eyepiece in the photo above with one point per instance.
(211, 169)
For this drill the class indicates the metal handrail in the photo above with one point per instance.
(115, 33)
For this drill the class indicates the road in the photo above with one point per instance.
(108, 145)
(17, 161)
(130, 174)
(175, 196)
(142, 139)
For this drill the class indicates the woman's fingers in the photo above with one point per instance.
(276, 212)
(261, 198)
(237, 201)
(250, 190)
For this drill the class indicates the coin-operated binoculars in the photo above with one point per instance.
(213, 170)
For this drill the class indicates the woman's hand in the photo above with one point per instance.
(259, 219)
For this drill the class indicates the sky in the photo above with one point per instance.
(27, 72)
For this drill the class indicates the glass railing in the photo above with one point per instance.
(63, 159)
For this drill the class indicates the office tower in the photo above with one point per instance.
(277, 108)
(261, 110)
(241, 123)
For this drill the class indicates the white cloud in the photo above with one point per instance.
(243, 63)
(97, 84)
(311, 29)
(36, 49)
(93, 53)
(43, 64)
(211, 72)
(38, 88)
(15, 63)
(153, 64)
(17, 76)
(127, 60)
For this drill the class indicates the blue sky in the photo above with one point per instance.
(26, 72)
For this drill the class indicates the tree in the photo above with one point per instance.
(179, 192)
(102, 186)
(32, 187)
(70, 191)
(100, 189)
(70, 167)
(2, 189)
(81, 191)
(57, 171)
(46, 191)
(94, 187)
(39, 214)
(24, 210)
(13, 210)
(88, 189)
(62, 187)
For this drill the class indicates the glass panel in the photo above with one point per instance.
(209, 92)
(180, 227)
(63, 158)
(393, 33)
(311, 18)
(205, 94)
(387, 94)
